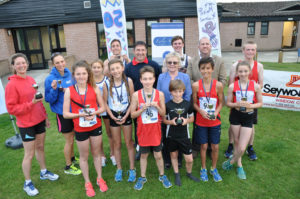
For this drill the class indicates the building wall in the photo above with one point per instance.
(298, 36)
(139, 30)
(191, 36)
(81, 40)
(6, 45)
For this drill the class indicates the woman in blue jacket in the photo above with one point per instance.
(60, 78)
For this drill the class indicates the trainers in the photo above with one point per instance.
(251, 153)
(75, 161)
(73, 170)
(30, 189)
(118, 175)
(241, 173)
(113, 160)
(165, 181)
(132, 175)
(226, 165)
(48, 175)
(102, 185)
(229, 151)
(215, 174)
(89, 190)
(140, 183)
(177, 179)
(103, 161)
(203, 175)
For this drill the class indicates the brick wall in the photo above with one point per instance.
(191, 36)
(81, 40)
(6, 45)
(139, 29)
(164, 20)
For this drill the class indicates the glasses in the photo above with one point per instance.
(172, 62)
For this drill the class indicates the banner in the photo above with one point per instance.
(208, 24)
(114, 21)
(281, 90)
(161, 36)
(2, 99)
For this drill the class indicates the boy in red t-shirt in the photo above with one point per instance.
(148, 106)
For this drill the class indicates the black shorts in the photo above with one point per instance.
(245, 119)
(114, 124)
(105, 117)
(64, 125)
(255, 116)
(28, 134)
(82, 136)
(183, 145)
(147, 149)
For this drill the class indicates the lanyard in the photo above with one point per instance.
(242, 89)
(146, 98)
(120, 97)
(207, 98)
(77, 90)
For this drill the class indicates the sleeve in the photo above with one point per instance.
(126, 70)
(188, 89)
(222, 77)
(189, 71)
(159, 87)
(51, 95)
(191, 108)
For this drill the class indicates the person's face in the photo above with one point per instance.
(81, 75)
(147, 79)
(178, 46)
(97, 68)
(172, 64)
(249, 51)
(140, 53)
(59, 63)
(116, 48)
(204, 46)
(243, 72)
(116, 70)
(177, 94)
(20, 66)
(206, 70)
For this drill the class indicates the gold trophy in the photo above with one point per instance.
(211, 112)
(60, 87)
(242, 108)
(179, 111)
(38, 94)
(85, 109)
(119, 116)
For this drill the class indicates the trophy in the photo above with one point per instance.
(86, 111)
(179, 111)
(243, 109)
(211, 112)
(38, 94)
(149, 95)
(119, 116)
(60, 87)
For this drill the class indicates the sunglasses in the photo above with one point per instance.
(172, 62)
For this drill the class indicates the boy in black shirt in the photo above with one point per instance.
(179, 113)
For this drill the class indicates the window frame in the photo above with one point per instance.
(264, 26)
(251, 26)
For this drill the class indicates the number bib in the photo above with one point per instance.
(250, 95)
(150, 115)
(87, 123)
(204, 104)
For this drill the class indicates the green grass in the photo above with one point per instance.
(274, 175)
(294, 67)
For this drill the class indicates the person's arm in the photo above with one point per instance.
(105, 68)
(260, 75)
(105, 98)
(100, 102)
(159, 83)
(188, 89)
(229, 101)
(51, 91)
(161, 108)
(222, 76)
(195, 88)
(66, 107)
(135, 112)
(190, 116)
(232, 73)
(259, 101)
(126, 58)
(166, 120)
(220, 94)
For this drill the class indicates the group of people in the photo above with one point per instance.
(121, 92)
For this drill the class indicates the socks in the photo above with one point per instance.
(177, 179)
(230, 145)
(27, 181)
(43, 171)
(190, 176)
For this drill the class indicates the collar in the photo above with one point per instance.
(135, 62)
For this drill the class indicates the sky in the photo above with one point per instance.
(227, 1)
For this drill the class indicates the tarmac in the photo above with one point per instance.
(229, 59)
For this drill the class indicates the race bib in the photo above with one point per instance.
(204, 104)
(150, 115)
(87, 123)
(250, 95)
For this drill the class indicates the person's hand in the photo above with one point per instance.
(184, 121)
(204, 114)
(88, 117)
(125, 57)
(173, 121)
(145, 106)
(154, 104)
(34, 101)
(54, 84)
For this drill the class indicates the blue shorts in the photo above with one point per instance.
(204, 135)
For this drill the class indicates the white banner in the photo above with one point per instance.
(161, 36)
(281, 90)
(208, 23)
(114, 21)
(2, 99)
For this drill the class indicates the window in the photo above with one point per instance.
(264, 30)
(148, 34)
(130, 37)
(251, 28)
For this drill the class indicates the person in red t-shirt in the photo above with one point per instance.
(148, 106)
(86, 103)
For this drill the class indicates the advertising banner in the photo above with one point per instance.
(208, 23)
(161, 36)
(281, 90)
(114, 21)
(2, 99)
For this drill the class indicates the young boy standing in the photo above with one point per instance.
(179, 113)
(148, 106)
(207, 99)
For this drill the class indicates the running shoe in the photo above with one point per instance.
(229, 151)
(118, 175)
(140, 183)
(102, 185)
(103, 161)
(215, 174)
(73, 170)
(241, 173)
(75, 161)
(251, 153)
(165, 181)
(48, 175)
(132, 175)
(30, 189)
(203, 175)
(89, 190)
(226, 165)
(113, 160)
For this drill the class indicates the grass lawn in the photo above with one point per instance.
(274, 175)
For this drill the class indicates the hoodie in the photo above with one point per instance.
(18, 98)
(56, 97)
